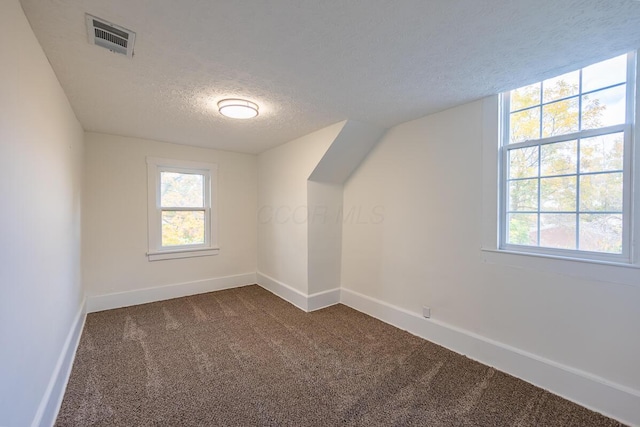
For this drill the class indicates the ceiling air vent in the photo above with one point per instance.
(113, 37)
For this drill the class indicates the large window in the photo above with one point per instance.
(566, 163)
(181, 216)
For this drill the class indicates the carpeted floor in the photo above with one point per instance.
(244, 357)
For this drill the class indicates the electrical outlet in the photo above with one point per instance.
(426, 312)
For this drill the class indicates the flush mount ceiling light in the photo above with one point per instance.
(238, 108)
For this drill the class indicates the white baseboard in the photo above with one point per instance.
(323, 299)
(161, 293)
(285, 292)
(299, 299)
(596, 393)
(52, 399)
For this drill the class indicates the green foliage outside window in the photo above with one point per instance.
(182, 227)
(567, 193)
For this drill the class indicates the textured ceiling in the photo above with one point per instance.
(311, 63)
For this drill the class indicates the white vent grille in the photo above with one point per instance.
(113, 37)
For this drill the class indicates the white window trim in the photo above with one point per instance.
(626, 255)
(156, 252)
(591, 269)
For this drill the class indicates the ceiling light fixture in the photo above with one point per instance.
(238, 108)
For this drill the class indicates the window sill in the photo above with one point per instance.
(602, 271)
(182, 253)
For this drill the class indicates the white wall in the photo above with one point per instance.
(324, 236)
(40, 184)
(282, 206)
(115, 216)
(427, 177)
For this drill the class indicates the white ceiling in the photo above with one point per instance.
(311, 63)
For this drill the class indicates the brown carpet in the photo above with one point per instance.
(244, 357)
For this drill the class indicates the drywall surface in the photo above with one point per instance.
(425, 179)
(40, 186)
(324, 236)
(115, 216)
(282, 206)
(351, 146)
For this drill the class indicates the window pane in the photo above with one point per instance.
(601, 233)
(604, 74)
(524, 97)
(602, 153)
(182, 228)
(558, 194)
(181, 190)
(559, 159)
(525, 125)
(560, 118)
(604, 108)
(522, 229)
(558, 231)
(561, 87)
(523, 162)
(523, 195)
(602, 192)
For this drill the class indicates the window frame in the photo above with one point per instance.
(629, 208)
(155, 167)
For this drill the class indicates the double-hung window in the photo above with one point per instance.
(566, 163)
(182, 220)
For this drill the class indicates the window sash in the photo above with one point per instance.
(182, 171)
(577, 96)
(626, 256)
(205, 244)
(155, 167)
(206, 208)
(186, 209)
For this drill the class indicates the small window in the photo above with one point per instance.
(181, 218)
(566, 163)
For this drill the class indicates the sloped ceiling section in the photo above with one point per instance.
(310, 63)
(346, 152)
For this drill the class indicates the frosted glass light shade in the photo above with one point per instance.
(238, 108)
